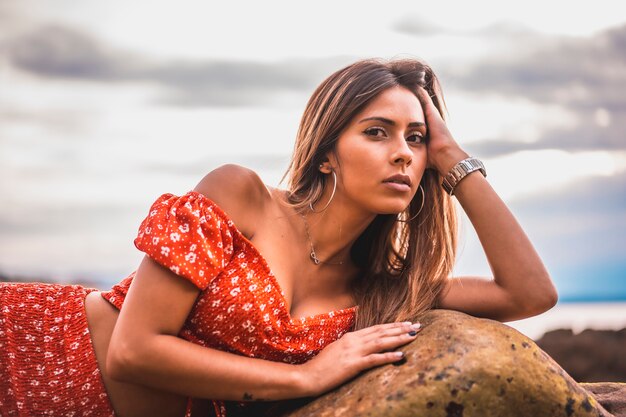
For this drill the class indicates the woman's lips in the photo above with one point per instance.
(397, 186)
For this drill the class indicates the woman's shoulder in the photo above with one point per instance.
(240, 193)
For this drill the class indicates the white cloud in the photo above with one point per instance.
(482, 116)
(523, 174)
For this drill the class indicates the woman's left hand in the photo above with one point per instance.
(443, 151)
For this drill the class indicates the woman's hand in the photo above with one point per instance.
(353, 353)
(443, 151)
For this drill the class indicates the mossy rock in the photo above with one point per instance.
(459, 366)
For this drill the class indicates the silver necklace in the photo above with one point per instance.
(313, 256)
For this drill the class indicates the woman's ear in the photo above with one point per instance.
(325, 167)
(328, 164)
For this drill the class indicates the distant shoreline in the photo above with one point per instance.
(576, 316)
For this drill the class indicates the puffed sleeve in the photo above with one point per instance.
(190, 235)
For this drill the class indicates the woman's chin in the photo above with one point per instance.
(392, 210)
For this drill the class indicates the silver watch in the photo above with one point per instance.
(460, 170)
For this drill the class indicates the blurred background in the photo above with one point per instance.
(104, 106)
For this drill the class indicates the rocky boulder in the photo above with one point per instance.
(612, 396)
(458, 366)
(589, 356)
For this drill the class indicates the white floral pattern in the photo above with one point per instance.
(46, 374)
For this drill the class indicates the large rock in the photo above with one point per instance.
(590, 356)
(458, 366)
(612, 396)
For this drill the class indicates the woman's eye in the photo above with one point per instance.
(374, 131)
(416, 138)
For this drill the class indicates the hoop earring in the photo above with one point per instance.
(331, 196)
(420, 210)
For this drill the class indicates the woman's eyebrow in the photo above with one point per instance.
(391, 122)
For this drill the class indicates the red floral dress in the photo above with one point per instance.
(241, 308)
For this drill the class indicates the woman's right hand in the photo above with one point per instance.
(353, 353)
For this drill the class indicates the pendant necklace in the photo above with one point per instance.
(313, 255)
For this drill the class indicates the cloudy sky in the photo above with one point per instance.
(106, 105)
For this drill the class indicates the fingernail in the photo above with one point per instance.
(416, 326)
(399, 354)
(412, 333)
(407, 322)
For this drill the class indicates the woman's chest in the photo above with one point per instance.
(244, 310)
(308, 289)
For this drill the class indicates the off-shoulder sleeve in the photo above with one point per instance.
(190, 235)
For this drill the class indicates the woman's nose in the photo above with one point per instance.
(402, 154)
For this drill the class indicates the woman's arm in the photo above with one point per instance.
(144, 347)
(521, 286)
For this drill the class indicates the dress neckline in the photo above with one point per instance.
(268, 269)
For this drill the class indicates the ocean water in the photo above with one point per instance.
(600, 282)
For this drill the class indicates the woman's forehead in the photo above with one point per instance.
(397, 104)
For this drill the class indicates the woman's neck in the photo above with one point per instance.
(334, 230)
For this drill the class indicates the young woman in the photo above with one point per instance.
(253, 293)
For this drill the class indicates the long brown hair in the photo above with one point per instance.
(405, 264)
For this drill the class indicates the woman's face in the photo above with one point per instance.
(386, 139)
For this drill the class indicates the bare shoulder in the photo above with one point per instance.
(239, 192)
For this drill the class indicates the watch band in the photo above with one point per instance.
(460, 171)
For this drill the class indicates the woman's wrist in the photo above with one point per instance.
(448, 158)
(289, 381)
